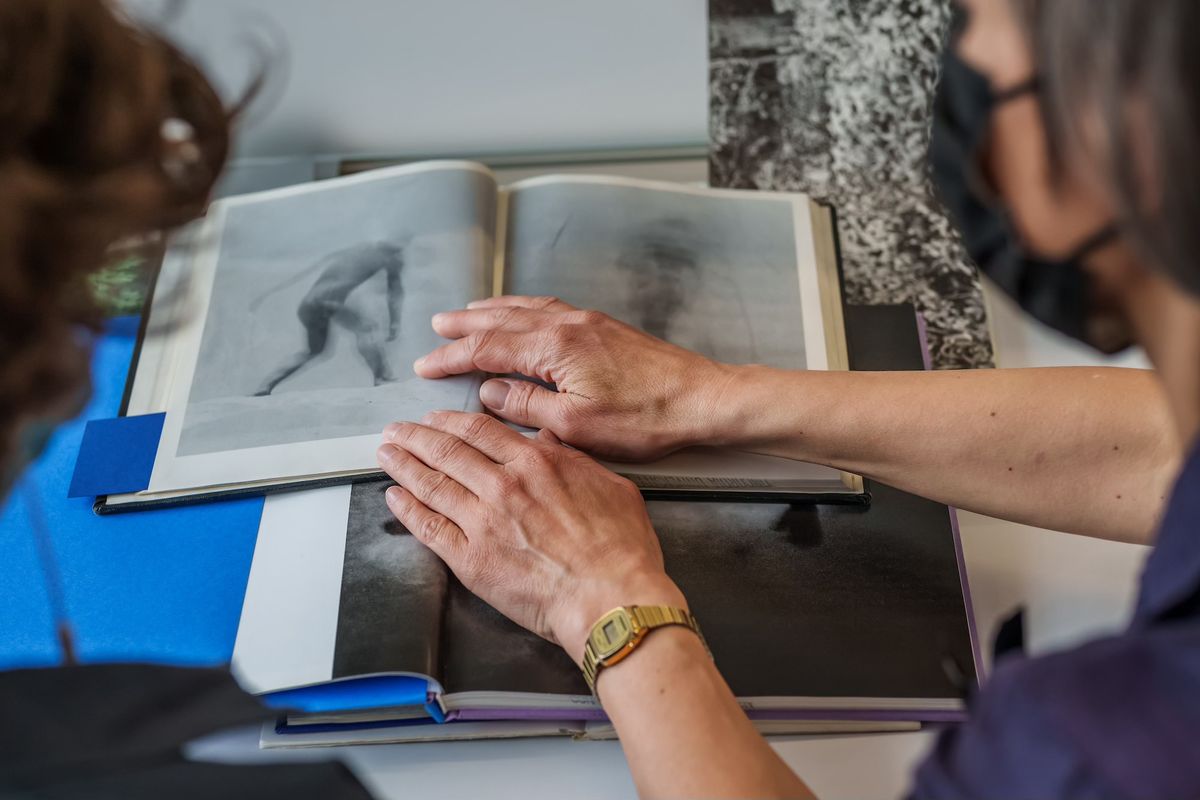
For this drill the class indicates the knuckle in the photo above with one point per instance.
(432, 483)
(592, 318)
(403, 432)
(563, 337)
(507, 484)
(545, 301)
(518, 399)
(445, 448)
(505, 315)
(434, 528)
(541, 459)
(476, 426)
(480, 341)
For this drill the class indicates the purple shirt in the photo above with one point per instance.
(1117, 717)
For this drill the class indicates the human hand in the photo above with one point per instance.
(541, 532)
(622, 393)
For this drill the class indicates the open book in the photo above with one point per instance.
(282, 328)
(811, 617)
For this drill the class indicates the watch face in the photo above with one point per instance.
(611, 633)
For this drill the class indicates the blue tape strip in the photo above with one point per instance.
(116, 455)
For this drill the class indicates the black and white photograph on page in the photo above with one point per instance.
(320, 303)
(714, 274)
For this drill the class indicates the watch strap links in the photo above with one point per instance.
(640, 620)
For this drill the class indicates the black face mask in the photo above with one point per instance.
(1058, 293)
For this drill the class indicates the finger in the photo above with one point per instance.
(457, 324)
(487, 434)
(527, 403)
(439, 534)
(445, 453)
(524, 301)
(490, 351)
(436, 490)
(546, 435)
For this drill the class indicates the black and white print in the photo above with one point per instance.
(321, 301)
(841, 610)
(402, 610)
(832, 98)
(714, 274)
(393, 592)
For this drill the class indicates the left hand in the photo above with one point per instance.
(545, 534)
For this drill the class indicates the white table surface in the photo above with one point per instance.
(1071, 587)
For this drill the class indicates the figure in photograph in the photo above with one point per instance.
(340, 273)
(663, 268)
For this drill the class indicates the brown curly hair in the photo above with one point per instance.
(106, 132)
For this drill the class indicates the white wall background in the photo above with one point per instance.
(414, 77)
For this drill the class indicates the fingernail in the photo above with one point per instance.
(494, 393)
(390, 431)
(428, 418)
(392, 495)
(438, 317)
(475, 304)
(420, 362)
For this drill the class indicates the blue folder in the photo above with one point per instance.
(163, 586)
(158, 586)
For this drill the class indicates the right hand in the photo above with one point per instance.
(622, 393)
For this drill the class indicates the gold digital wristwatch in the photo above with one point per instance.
(620, 631)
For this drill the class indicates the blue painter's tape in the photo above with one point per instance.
(116, 455)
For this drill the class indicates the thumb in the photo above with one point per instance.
(523, 402)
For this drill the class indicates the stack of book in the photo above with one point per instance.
(277, 346)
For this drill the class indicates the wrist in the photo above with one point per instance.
(594, 600)
(738, 408)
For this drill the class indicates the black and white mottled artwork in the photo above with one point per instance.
(321, 301)
(804, 600)
(393, 592)
(402, 610)
(714, 274)
(833, 98)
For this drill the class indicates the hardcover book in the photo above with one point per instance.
(820, 617)
(281, 332)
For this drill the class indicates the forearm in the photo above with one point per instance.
(683, 732)
(1087, 451)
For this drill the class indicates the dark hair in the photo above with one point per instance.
(106, 132)
(1133, 66)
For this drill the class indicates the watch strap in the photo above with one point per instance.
(642, 620)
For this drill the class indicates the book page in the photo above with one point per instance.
(338, 589)
(311, 304)
(393, 593)
(730, 275)
(288, 625)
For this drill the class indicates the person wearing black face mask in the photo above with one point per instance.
(1065, 150)
(1055, 291)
